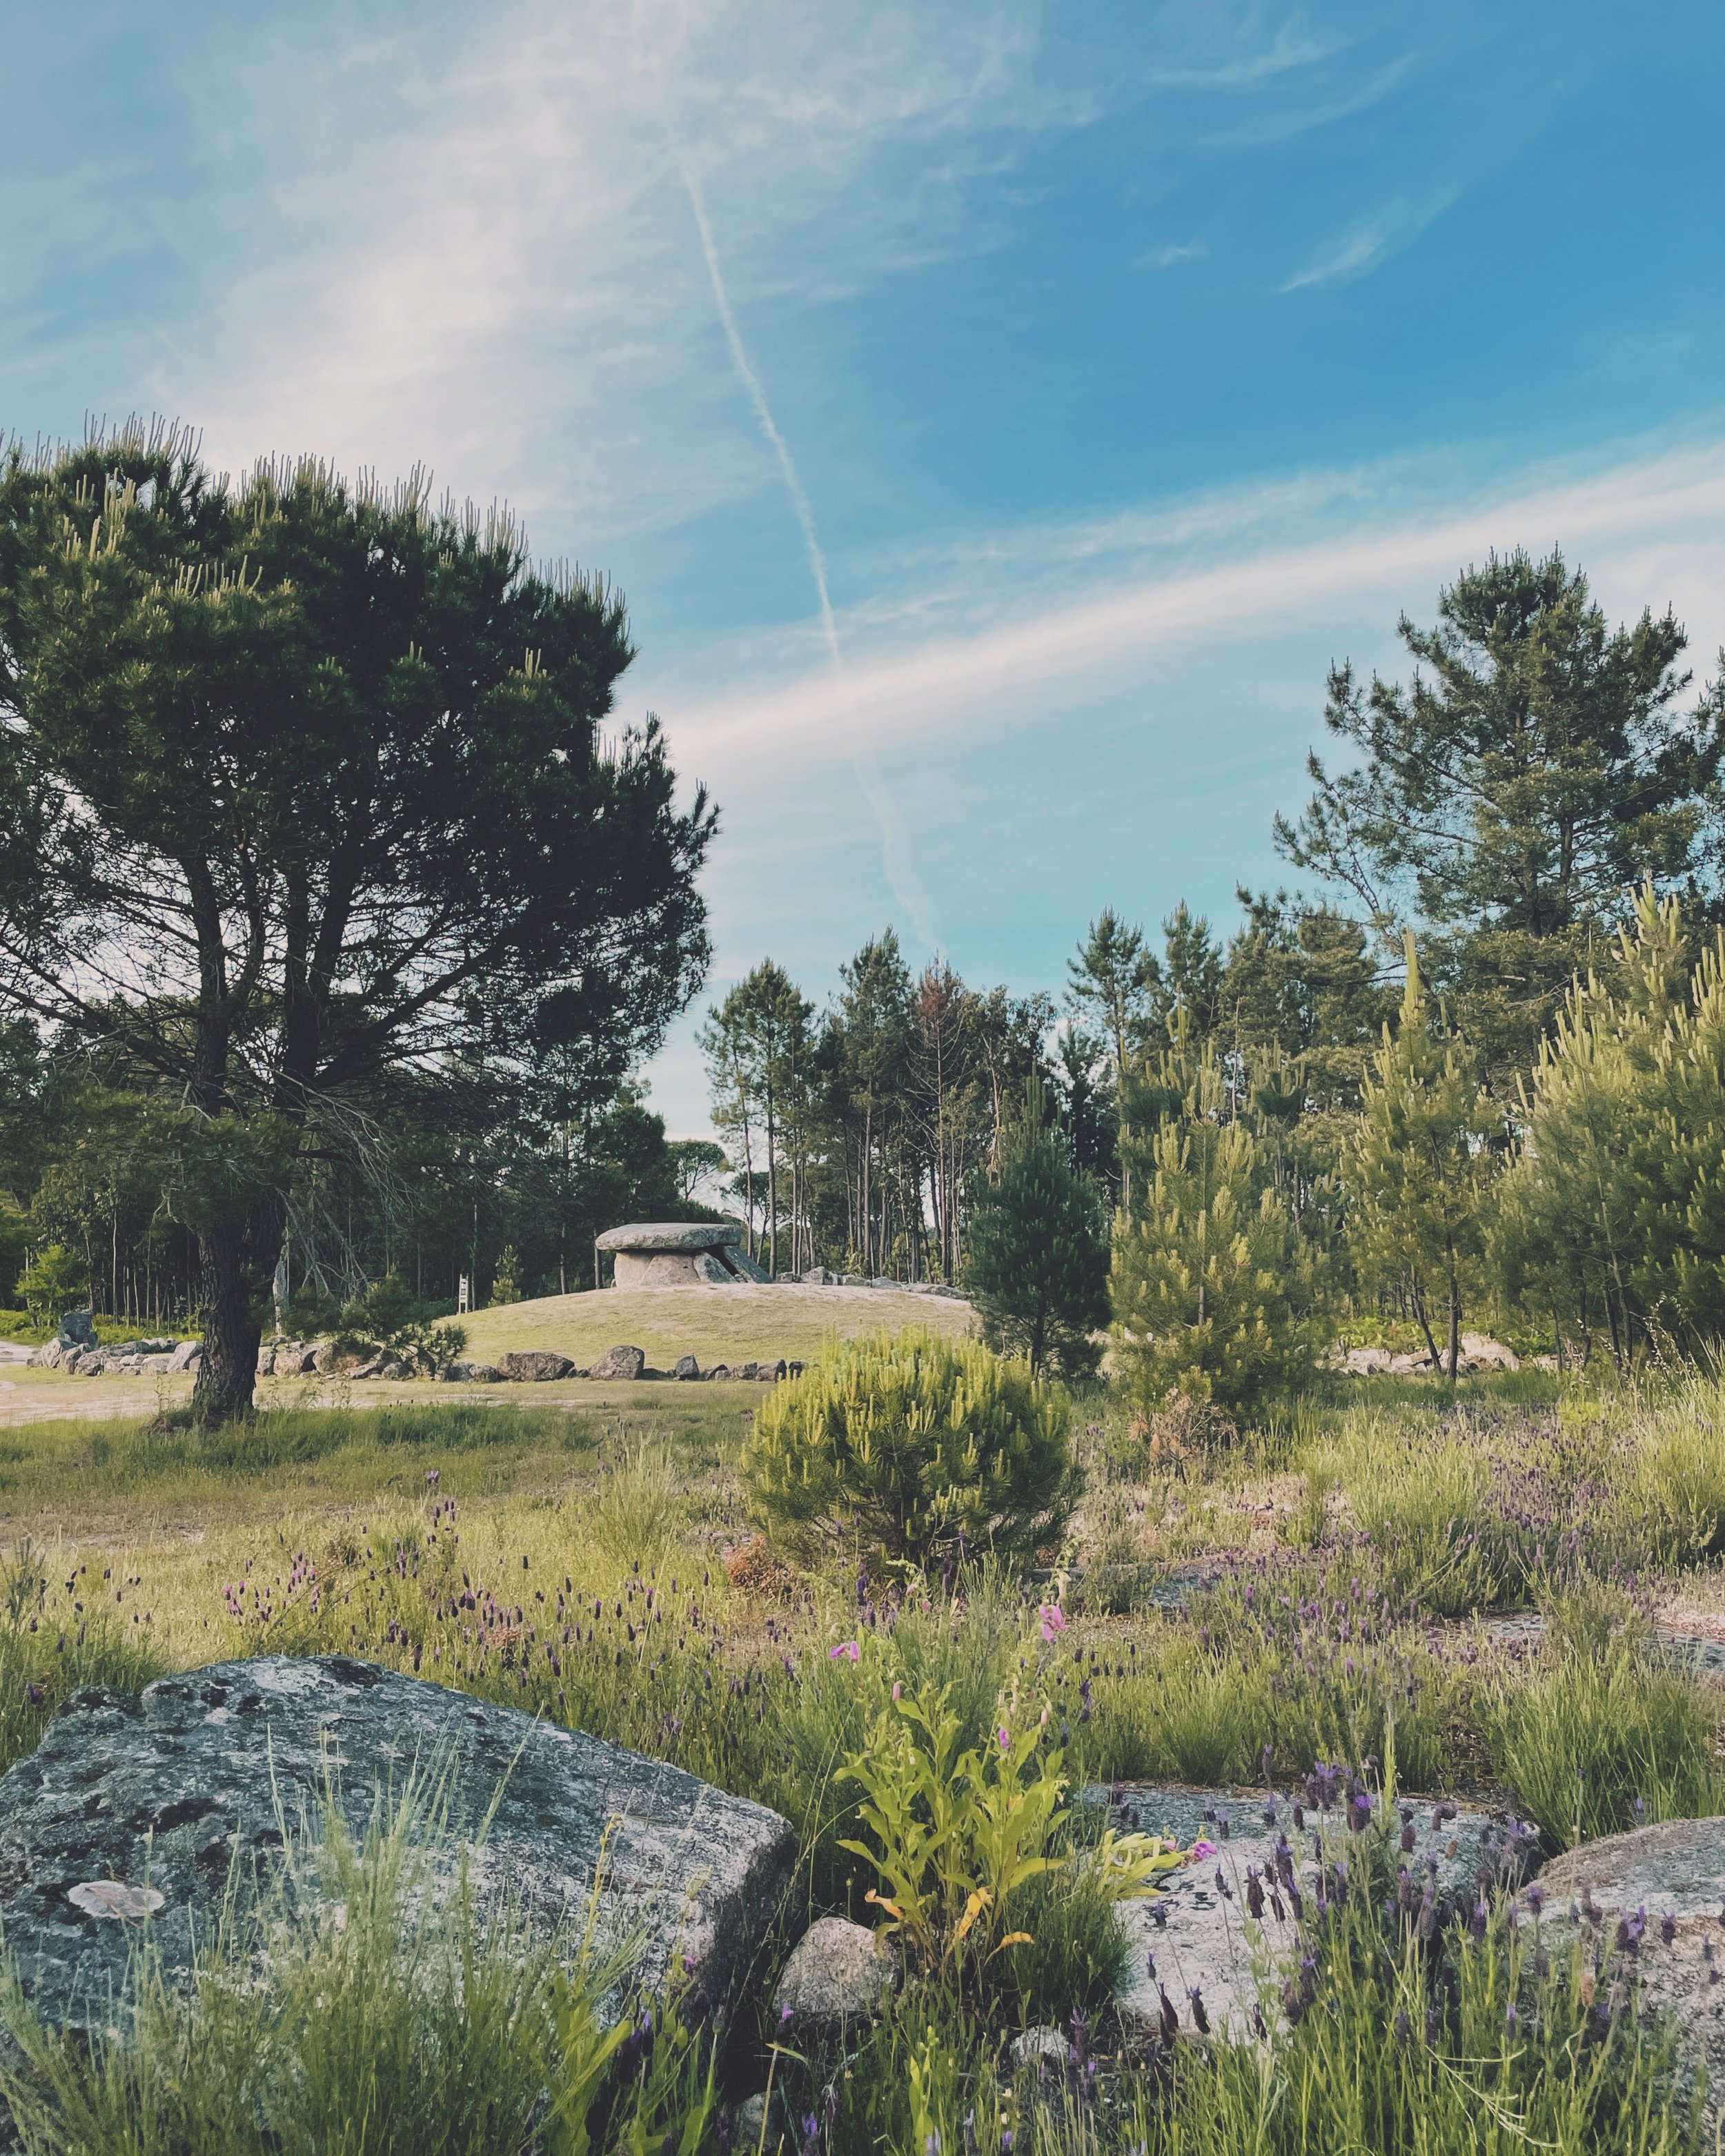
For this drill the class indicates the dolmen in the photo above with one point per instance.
(680, 1254)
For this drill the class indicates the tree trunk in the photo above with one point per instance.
(1455, 1328)
(237, 1261)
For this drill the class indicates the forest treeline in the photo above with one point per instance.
(1473, 1061)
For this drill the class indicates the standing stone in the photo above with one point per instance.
(620, 1363)
(77, 1329)
(182, 1782)
(686, 1367)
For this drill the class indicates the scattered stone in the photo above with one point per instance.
(1195, 1936)
(266, 1362)
(47, 1357)
(686, 1367)
(720, 1372)
(382, 1365)
(77, 1329)
(749, 2121)
(162, 1793)
(748, 1370)
(1041, 2042)
(883, 1283)
(187, 1356)
(769, 1373)
(853, 1280)
(155, 1366)
(1675, 1870)
(620, 1363)
(536, 1366)
(837, 1973)
(818, 1276)
(473, 1373)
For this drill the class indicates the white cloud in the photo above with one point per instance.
(1169, 257)
(1660, 515)
(1363, 245)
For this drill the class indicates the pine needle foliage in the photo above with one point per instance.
(1420, 1168)
(1037, 1258)
(1211, 1290)
(916, 1448)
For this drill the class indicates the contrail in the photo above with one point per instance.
(763, 412)
(895, 841)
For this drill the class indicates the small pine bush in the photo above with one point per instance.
(913, 1447)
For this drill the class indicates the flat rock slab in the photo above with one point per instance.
(1676, 1870)
(645, 1235)
(1197, 1936)
(133, 1796)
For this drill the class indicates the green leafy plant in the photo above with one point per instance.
(958, 1832)
(913, 1447)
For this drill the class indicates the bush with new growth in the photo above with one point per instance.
(54, 1281)
(1210, 1286)
(909, 1446)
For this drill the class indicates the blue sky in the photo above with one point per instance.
(996, 417)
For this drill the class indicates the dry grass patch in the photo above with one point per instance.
(730, 1325)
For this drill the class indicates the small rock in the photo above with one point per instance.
(620, 1363)
(748, 1370)
(536, 1366)
(837, 1973)
(749, 2121)
(686, 1367)
(818, 1276)
(473, 1373)
(769, 1373)
(266, 1364)
(719, 1372)
(1041, 2042)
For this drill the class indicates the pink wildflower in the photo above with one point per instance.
(1005, 1740)
(848, 1649)
(1200, 1850)
(1054, 1620)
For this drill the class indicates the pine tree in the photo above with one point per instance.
(1420, 1168)
(1038, 1253)
(1211, 1293)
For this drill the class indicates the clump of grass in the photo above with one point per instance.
(638, 1510)
(52, 1645)
(1594, 1742)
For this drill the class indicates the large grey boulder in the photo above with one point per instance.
(837, 1975)
(620, 1363)
(536, 1366)
(1669, 1878)
(151, 1800)
(1203, 1933)
(187, 1356)
(686, 1368)
(77, 1329)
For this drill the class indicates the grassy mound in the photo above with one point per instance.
(731, 1324)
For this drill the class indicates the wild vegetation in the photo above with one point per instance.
(333, 937)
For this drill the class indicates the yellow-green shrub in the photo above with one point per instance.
(908, 1445)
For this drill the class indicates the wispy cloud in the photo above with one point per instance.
(896, 853)
(1168, 257)
(1663, 513)
(1362, 246)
